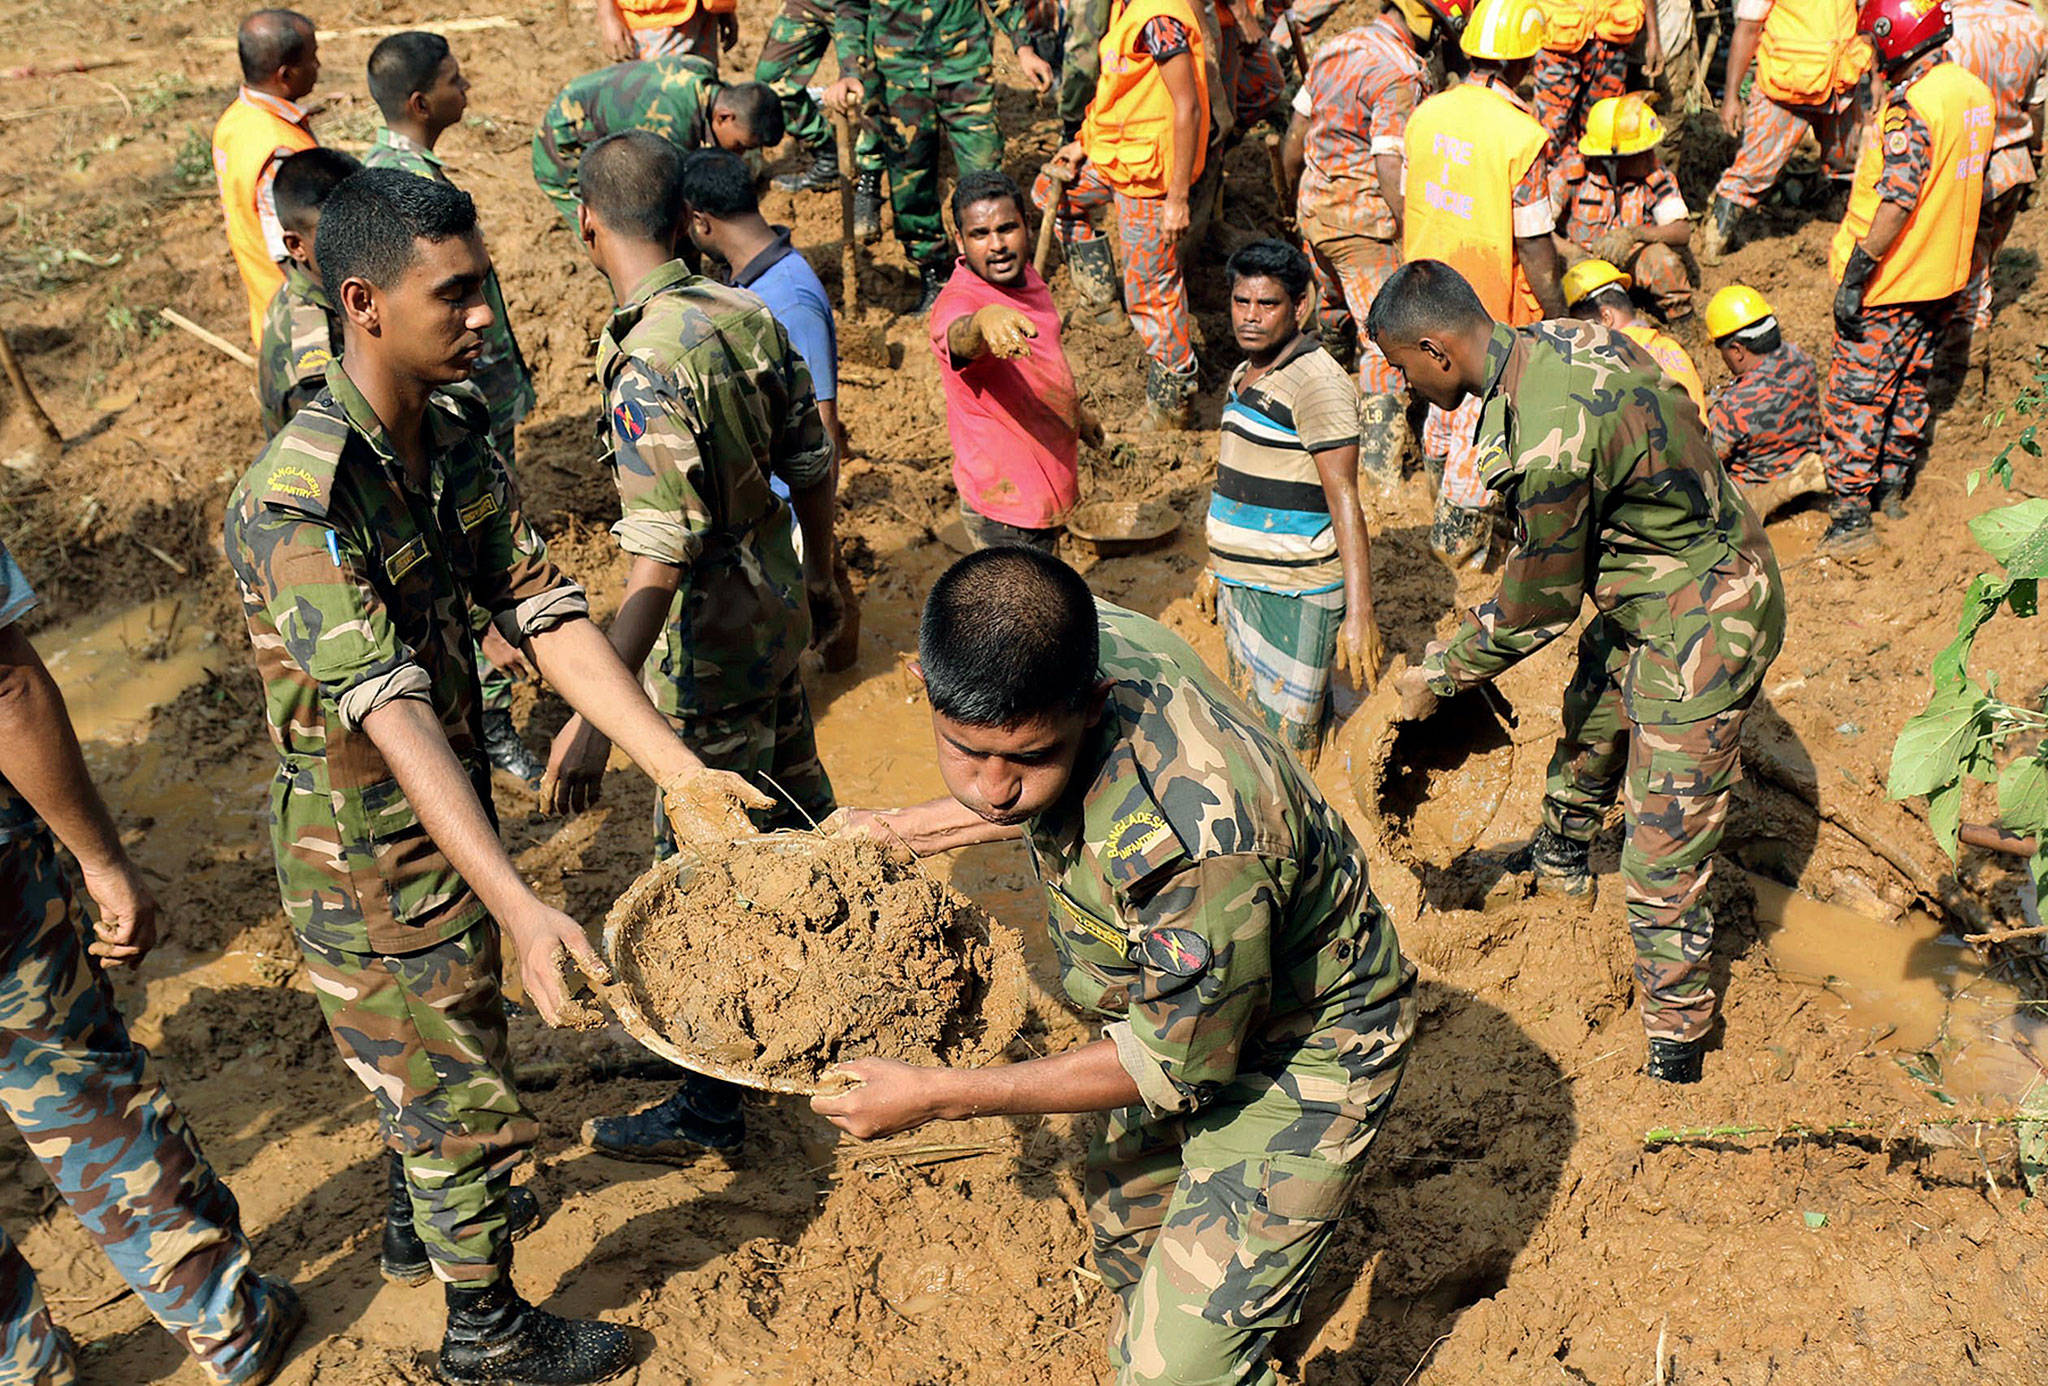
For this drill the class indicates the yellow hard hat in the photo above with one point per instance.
(1504, 30)
(1588, 277)
(1420, 18)
(1620, 125)
(1734, 308)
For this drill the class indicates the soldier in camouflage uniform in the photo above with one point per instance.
(1614, 493)
(1206, 902)
(360, 540)
(705, 402)
(928, 67)
(798, 38)
(679, 98)
(301, 332)
(80, 1091)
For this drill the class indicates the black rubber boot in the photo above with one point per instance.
(1717, 237)
(404, 1259)
(1091, 264)
(1169, 401)
(1849, 527)
(1460, 534)
(704, 1116)
(1675, 1061)
(1560, 865)
(1382, 430)
(867, 205)
(495, 1336)
(818, 173)
(1889, 499)
(506, 751)
(931, 277)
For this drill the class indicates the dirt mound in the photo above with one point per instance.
(781, 958)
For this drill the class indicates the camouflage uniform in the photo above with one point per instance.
(705, 401)
(357, 587)
(670, 96)
(797, 39)
(88, 1103)
(301, 334)
(1591, 206)
(1615, 493)
(1203, 896)
(929, 67)
(2005, 43)
(501, 371)
(1565, 85)
(1765, 421)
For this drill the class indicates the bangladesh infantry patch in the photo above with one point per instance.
(1174, 951)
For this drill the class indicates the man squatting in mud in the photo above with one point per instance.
(1204, 899)
(1613, 492)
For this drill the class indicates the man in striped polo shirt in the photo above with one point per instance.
(1290, 571)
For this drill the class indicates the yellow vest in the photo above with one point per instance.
(1809, 51)
(1931, 258)
(1467, 149)
(1567, 24)
(246, 142)
(1128, 132)
(1621, 21)
(1671, 356)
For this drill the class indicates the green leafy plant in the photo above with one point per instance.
(1967, 731)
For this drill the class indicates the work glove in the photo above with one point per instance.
(1849, 297)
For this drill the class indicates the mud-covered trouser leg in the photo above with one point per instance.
(1209, 1227)
(1155, 294)
(915, 107)
(33, 1350)
(774, 744)
(1350, 270)
(1660, 271)
(90, 1106)
(1770, 135)
(798, 38)
(1991, 235)
(1591, 755)
(425, 1033)
(1875, 408)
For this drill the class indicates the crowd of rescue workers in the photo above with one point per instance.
(1490, 266)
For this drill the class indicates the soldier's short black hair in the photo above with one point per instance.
(1423, 298)
(304, 181)
(986, 185)
(269, 40)
(632, 182)
(757, 108)
(718, 183)
(1275, 260)
(402, 65)
(1008, 634)
(371, 222)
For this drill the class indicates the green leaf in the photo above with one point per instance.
(1945, 817)
(1972, 482)
(1930, 746)
(2025, 597)
(2003, 530)
(2029, 558)
(1816, 1221)
(2023, 796)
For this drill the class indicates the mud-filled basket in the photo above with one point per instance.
(768, 960)
(1429, 789)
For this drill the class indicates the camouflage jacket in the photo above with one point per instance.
(1201, 891)
(301, 334)
(925, 43)
(501, 371)
(17, 599)
(1767, 420)
(1614, 492)
(705, 399)
(670, 96)
(357, 587)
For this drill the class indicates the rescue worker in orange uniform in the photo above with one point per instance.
(280, 60)
(1617, 202)
(1809, 66)
(1899, 260)
(1476, 188)
(1585, 58)
(1599, 292)
(2005, 42)
(629, 29)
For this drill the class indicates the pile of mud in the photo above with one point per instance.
(770, 960)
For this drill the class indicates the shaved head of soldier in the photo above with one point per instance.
(1431, 326)
(631, 186)
(746, 115)
(1007, 649)
(304, 181)
(279, 53)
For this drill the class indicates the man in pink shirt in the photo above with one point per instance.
(1015, 417)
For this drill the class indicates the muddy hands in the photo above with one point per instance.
(706, 805)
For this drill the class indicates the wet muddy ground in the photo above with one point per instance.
(1515, 1227)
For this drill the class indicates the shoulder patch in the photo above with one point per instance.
(312, 361)
(290, 479)
(629, 420)
(1896, 142)
(477, 511)
(1176, 952)
(1136, 834)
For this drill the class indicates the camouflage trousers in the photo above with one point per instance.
(1770, 134)
(1874, 409)
(1253, 77)
(1209, 1227)
(1662, 273)
(1567, 84)
(798, 39)
(425, 1033)
(1350, 270)
(698, 34)
(1155, 293)
(774, 744)
(1087, 21)
(1991, 235)
(1675, 781)
(1453, 436)
(88, 1102)
(918, 110)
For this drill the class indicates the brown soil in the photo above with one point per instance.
(1514, 1227)
(784, 962)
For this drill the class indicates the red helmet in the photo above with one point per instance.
(1901, 30)
(1452, 14)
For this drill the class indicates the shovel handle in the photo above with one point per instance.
(1042, 255)
(849, 252)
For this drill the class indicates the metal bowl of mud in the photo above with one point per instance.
(990, 1013)
(1123, 526)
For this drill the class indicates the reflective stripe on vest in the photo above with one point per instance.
(244, 140)
(1467, 148)
(1931, 258)
(1809, 51)
(1128, 133)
